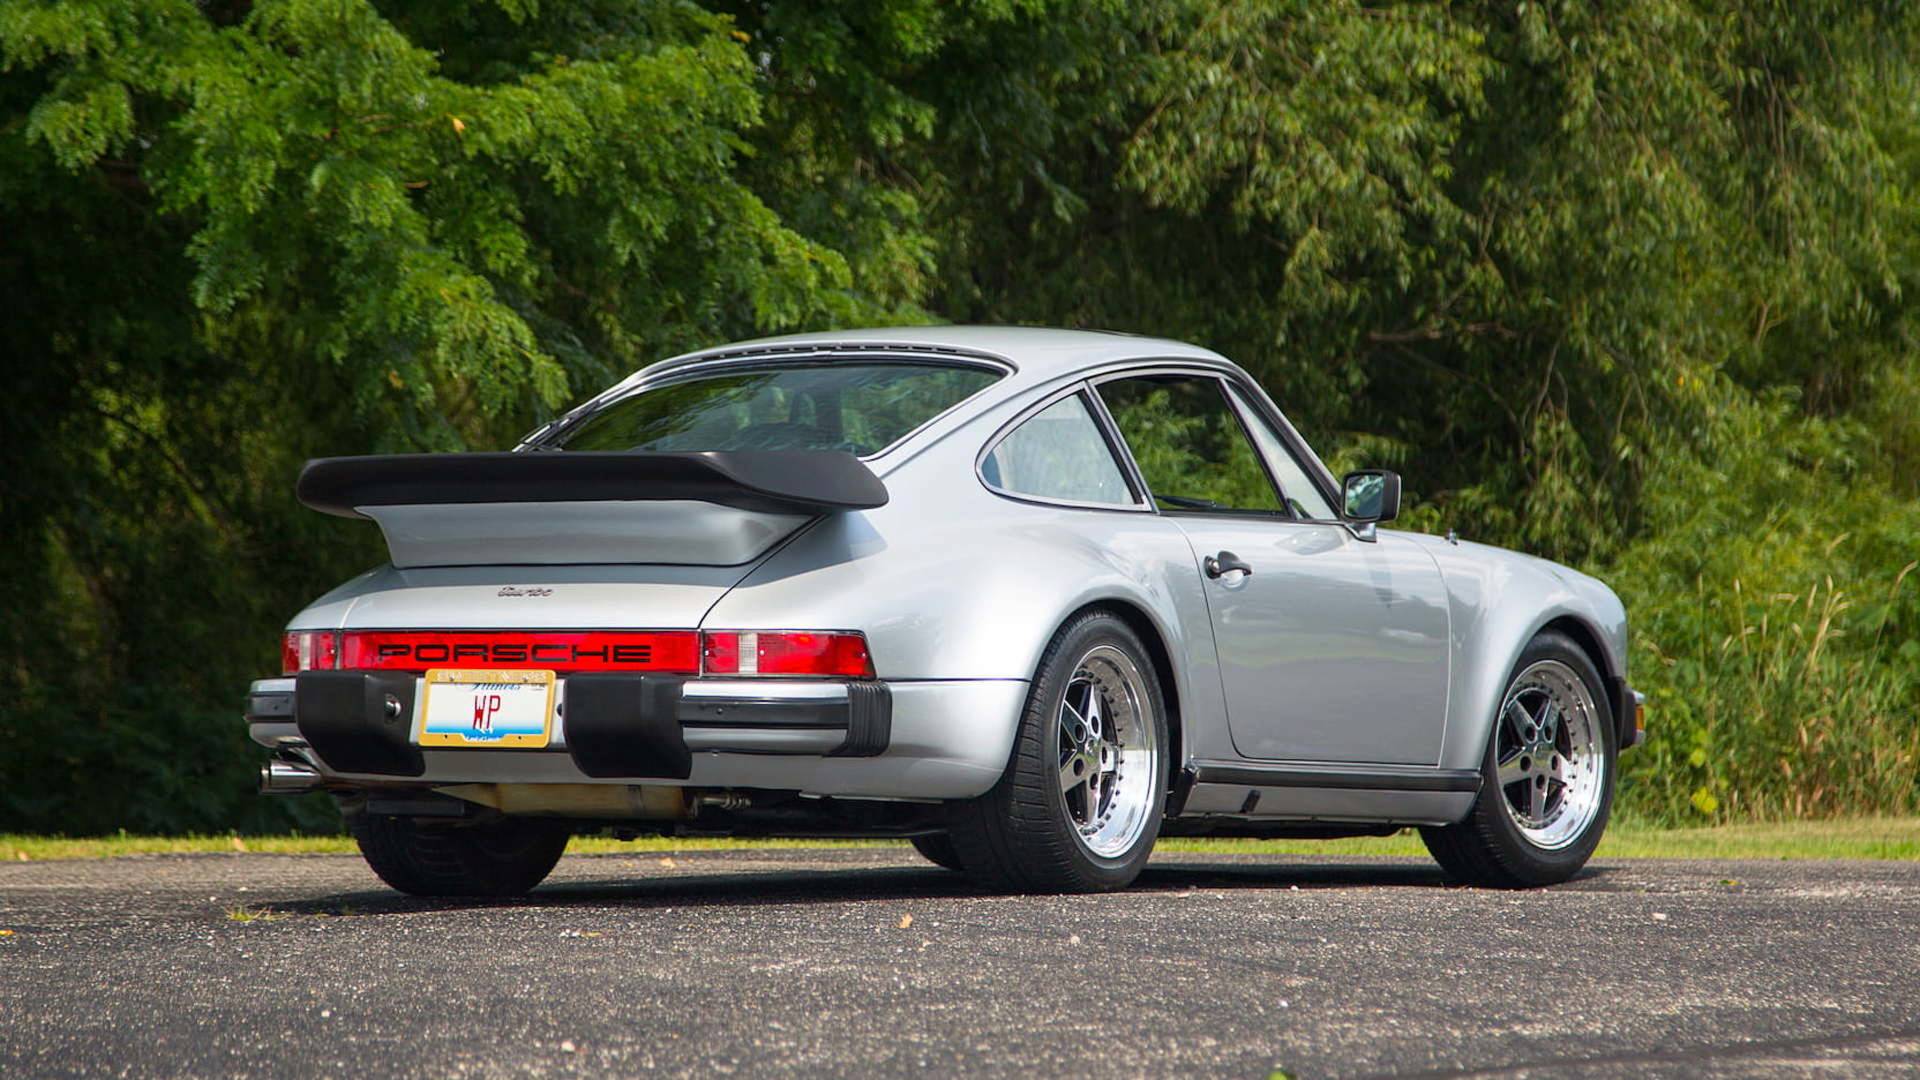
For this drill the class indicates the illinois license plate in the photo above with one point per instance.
(480, 707)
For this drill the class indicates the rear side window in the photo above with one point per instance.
(1058, 453)
(861, 408)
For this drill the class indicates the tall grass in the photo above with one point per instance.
(1779, 705)
(1773, 600)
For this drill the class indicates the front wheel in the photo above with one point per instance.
(1547, 776)
(1080, 805)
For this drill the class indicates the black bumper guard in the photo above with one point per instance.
(617, 725)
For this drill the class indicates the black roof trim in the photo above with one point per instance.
(780, 482)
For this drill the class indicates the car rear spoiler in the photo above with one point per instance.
(776, 482)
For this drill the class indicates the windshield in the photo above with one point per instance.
(861, 408)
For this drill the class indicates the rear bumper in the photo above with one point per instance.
(915, 740)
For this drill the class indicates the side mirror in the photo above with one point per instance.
(1370, 495)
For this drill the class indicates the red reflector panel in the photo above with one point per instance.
(786, 652)
(309, 650)
(720, 654)
(676, 651)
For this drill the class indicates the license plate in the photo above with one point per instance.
(480, 707)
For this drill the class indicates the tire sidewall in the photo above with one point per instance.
(1532, 864)
(1043, 713)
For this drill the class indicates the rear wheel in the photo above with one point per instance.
(506, 857)
(1547, 776)
(1080, 805)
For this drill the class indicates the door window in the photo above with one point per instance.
(1058, 453)
(1189, 445)
(1303, 498)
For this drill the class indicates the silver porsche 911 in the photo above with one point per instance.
(1031, 599)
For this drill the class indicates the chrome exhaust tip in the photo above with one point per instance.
(288, 778)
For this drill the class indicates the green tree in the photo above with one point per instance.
(241, 235)
(1626, 285)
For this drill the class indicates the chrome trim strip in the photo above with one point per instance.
(769, 692)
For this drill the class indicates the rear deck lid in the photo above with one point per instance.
(530, 598)
(719, 508)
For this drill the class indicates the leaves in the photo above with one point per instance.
(1628, 287)
(310, 227)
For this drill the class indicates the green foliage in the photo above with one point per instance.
(1772, 615)
(1624, 285)
(239, 236)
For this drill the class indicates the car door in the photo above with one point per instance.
(1332, 648)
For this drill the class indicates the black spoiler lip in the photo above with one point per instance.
(777, 482)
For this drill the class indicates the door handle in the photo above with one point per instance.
(1225, 563)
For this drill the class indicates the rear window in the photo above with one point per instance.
(861, 408)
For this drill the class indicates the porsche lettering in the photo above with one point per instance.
(428, 654)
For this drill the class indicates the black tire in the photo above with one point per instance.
(1488, 848)
(1020, 836)
(506, 857)
(938, 850)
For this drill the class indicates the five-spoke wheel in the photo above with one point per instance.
(1107, 750)
(1548, 760)
(1080, 805)
(1548, 775)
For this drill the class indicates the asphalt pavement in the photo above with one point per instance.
(868, 962)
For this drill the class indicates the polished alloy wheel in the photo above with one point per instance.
(1107, 751)
(1550, 758)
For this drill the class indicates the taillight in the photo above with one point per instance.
(675, 651)
(785, 652)
(723, 652)
(309, 650)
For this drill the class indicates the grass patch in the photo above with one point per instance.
(19, 847)
(1846, 838)
(246, 914)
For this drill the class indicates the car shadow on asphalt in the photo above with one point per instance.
(649, 887)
